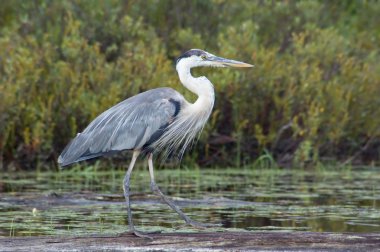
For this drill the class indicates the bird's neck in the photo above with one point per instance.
(200, 86)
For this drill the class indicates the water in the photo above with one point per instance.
(89, 201)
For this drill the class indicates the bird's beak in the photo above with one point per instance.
(227, 62)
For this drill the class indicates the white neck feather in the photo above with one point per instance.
(200, 86)
(192, 117)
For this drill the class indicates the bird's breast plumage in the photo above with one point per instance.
(186, 126)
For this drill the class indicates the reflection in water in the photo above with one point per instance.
(82, 201)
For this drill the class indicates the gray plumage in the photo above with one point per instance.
(136, 122)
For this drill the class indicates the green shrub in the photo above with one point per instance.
(312, 95)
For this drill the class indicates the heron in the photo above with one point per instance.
(154, 121)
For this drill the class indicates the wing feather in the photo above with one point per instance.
(127, 125)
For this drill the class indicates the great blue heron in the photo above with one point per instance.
(156, 120)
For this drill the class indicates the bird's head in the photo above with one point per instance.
(198, 58)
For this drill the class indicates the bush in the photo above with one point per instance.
(312, 95)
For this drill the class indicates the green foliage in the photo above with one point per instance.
(313, 93)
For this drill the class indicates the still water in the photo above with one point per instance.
(90, 201)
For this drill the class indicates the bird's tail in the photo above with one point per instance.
(77, 150)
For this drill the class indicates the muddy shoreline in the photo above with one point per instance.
(202, 241)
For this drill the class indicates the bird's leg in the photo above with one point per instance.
(168, 201)
(126, 186)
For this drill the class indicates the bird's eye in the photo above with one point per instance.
(203, 57)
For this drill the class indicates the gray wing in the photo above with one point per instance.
(132, 124)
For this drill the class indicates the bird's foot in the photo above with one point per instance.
(140, 234)
(197, 224)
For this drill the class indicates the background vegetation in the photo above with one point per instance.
(312, 97)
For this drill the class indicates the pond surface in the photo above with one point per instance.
(89, 201)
